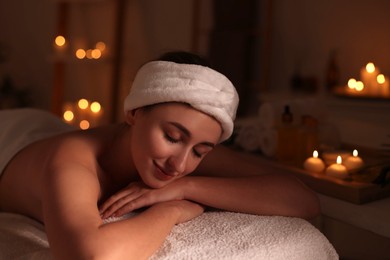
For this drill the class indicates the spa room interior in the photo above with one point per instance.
(312, 75)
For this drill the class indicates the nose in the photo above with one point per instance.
(177, 163)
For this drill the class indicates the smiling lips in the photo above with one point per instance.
(161, 173)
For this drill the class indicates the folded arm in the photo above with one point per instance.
(262, 195)
(263, 192)
(75, 229)
(258, 187)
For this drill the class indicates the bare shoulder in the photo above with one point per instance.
(40, 165)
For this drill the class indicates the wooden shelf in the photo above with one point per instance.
(349, 190)
(341, 93)
(358, 189)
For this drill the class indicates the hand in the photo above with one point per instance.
(137, 195)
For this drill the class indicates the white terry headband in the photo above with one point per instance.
(201, 87)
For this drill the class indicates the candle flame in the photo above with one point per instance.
(96, 54)
(380, 79)
(352, 83)
(339, 160)
(101, 46)
(370, 67)
(88, 54)
(95, 107)
(355, 153)
(68, 115)
(83, 103)
(60, 40)
(84, 124)
(80, 54)
(315, 154)
(359, 86)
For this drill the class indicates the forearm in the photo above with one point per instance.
(134, 238)
(140, 236)
(262, 195)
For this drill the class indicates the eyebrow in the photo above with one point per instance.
(187, 133)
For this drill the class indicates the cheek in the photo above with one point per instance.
(191, 165)
(149, 143)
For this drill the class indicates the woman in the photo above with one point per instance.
(177, 111)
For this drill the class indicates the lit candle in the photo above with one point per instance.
(60, 43)
(383, 85)
(82, 105)
(68, 116)
(84, 124)
(330, 157)
(368, 75)
(359, 87)
(353, 162)
(337, 169)
(314, 164)
(354, 87)
(351, 86)
(80, 54)
(96, 113)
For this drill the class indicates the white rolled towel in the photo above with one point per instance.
(248, 137)
(248, 132)
(269, 142)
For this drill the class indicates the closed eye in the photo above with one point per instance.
(171, 139)
(196, 153)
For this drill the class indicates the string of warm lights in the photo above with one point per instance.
(83, 113)
(93, 53)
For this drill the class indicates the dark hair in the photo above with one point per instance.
(183, 57)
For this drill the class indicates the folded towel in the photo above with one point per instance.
(24, 126)
(248, 133)
(201, 87)
(228, 235)
(213, 235)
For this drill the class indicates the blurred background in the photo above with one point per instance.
(272, 50)
(311, 75)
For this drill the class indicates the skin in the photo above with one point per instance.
(72, 181)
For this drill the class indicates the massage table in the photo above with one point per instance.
(213, 235)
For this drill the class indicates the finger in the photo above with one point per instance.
(111, 200)
(117, 196)
(137, 203)
(122, 206)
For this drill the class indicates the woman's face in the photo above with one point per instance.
(169, 141)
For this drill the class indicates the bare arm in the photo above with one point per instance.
(269, 190)
(75, 229)
(251, 190)
(267, 194)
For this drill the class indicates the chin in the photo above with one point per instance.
(153, 182)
